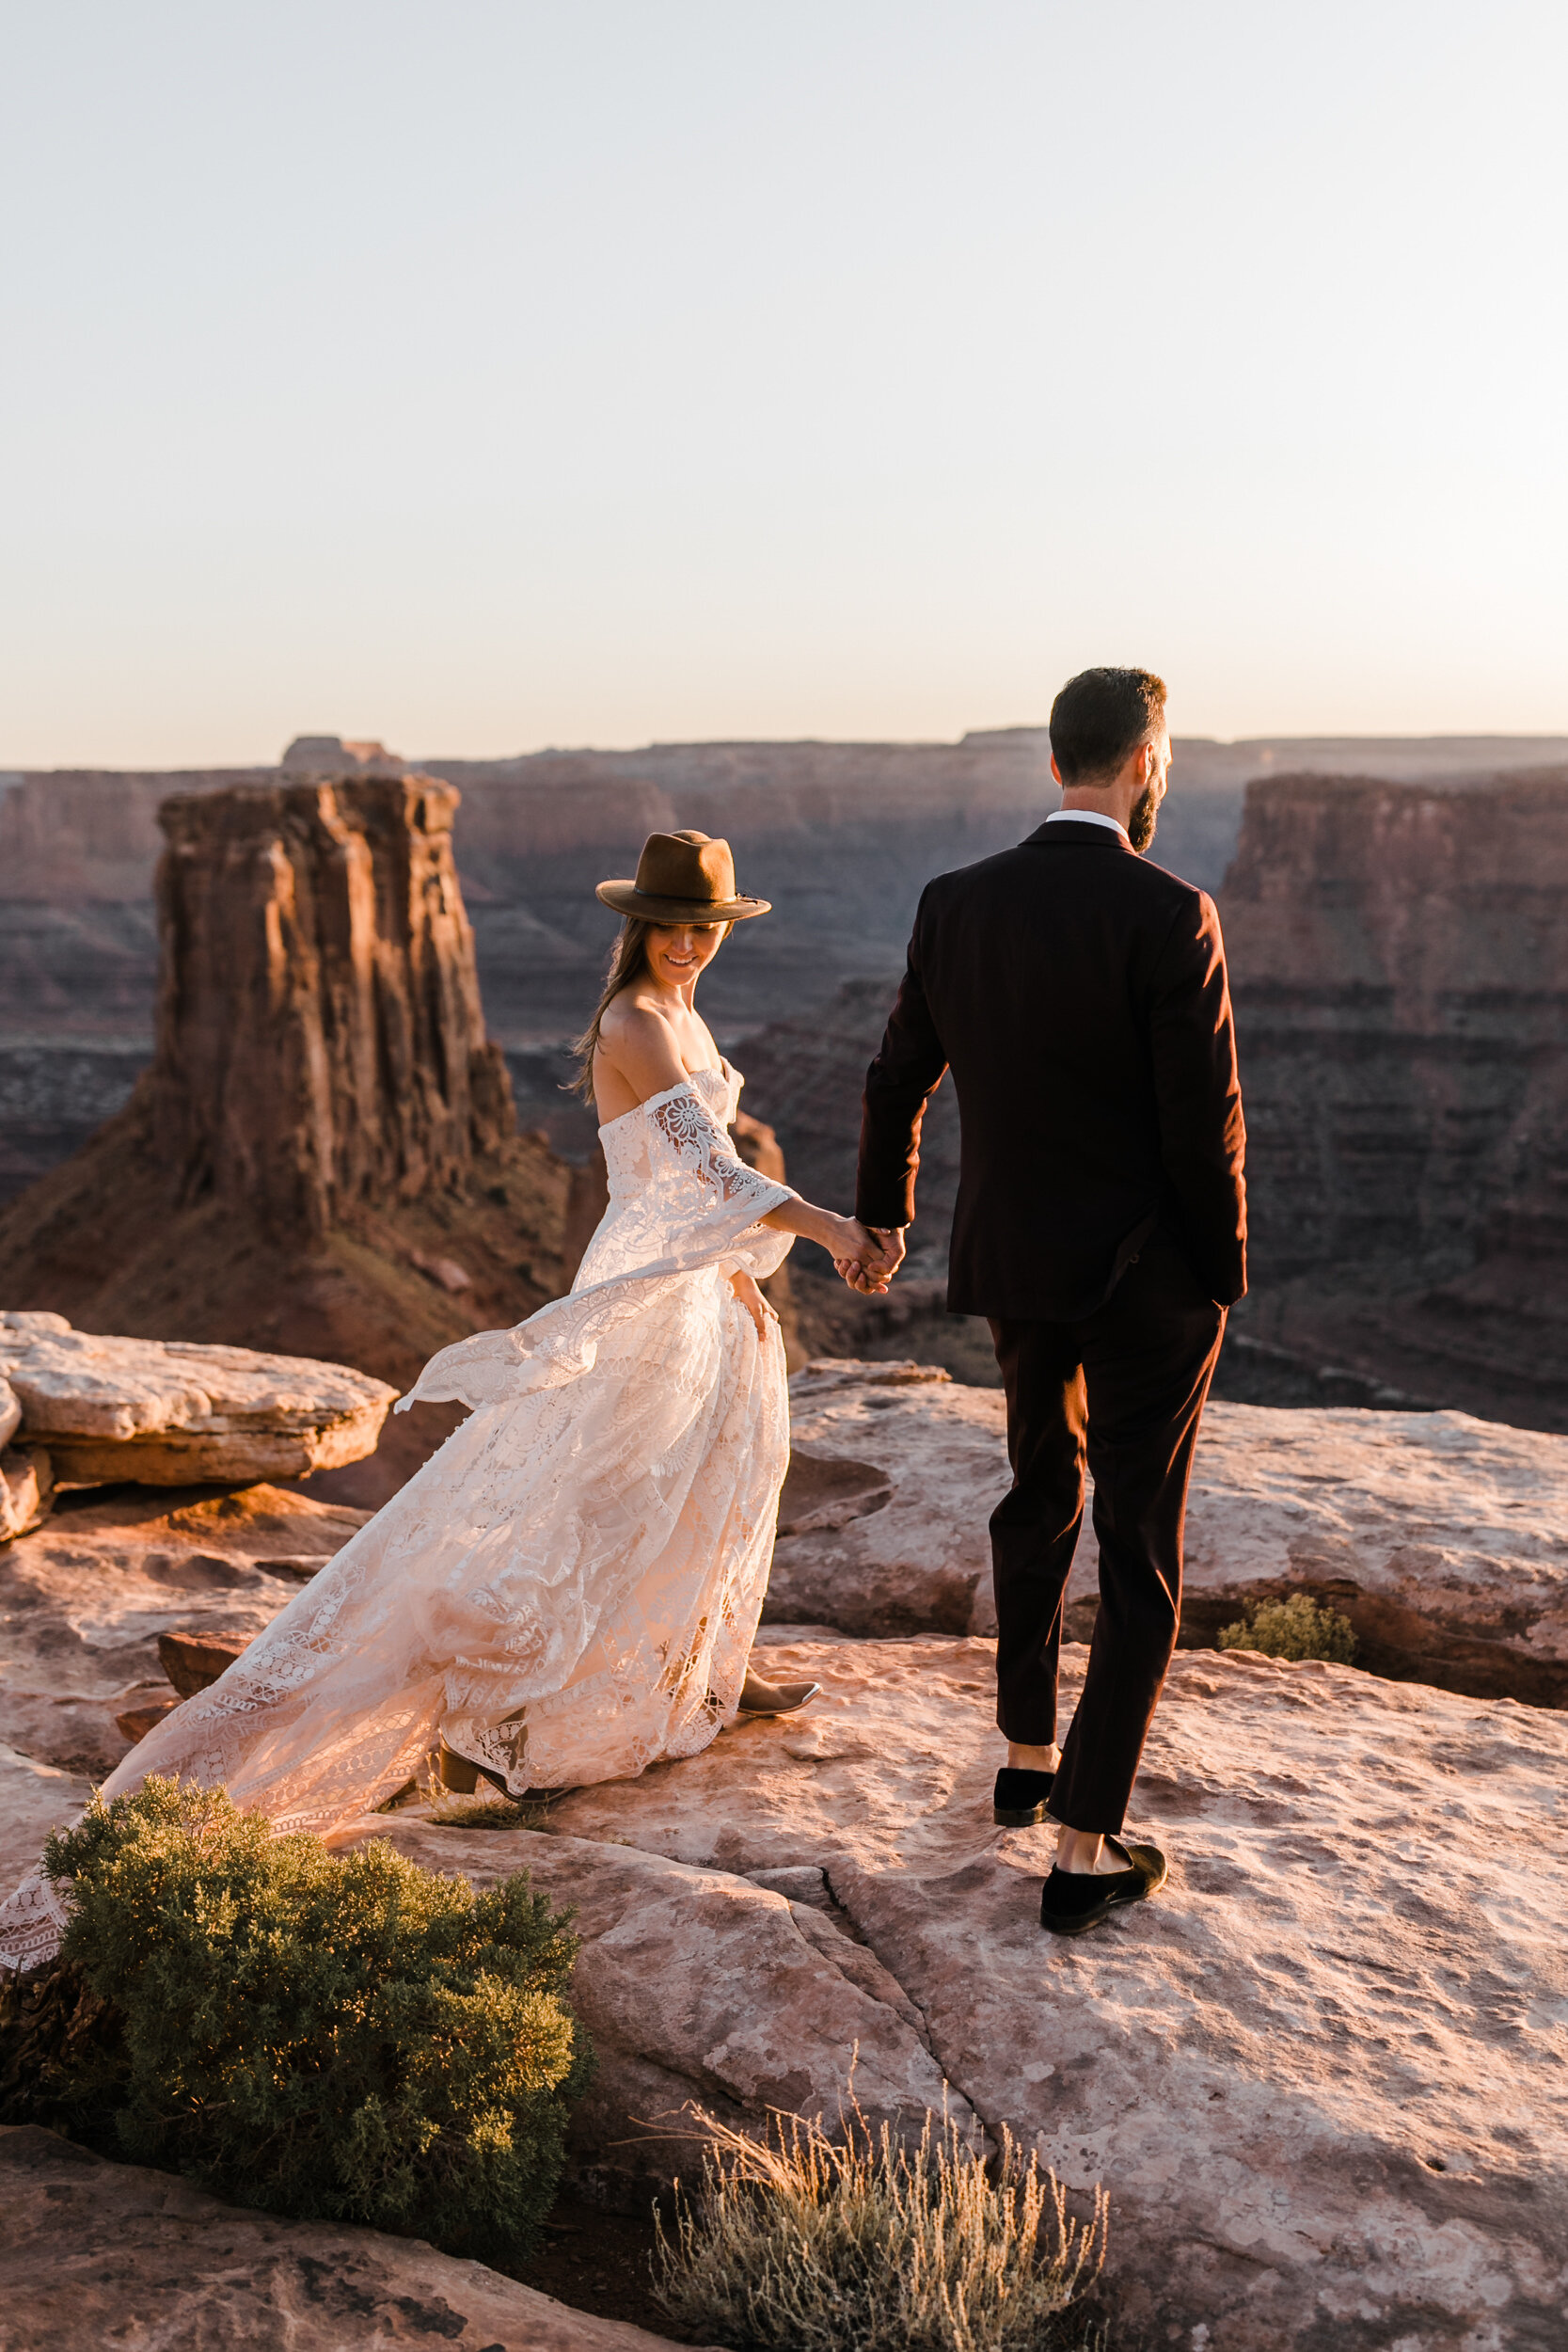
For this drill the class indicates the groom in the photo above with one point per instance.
(1078, 995)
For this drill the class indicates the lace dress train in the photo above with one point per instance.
(568, 1591)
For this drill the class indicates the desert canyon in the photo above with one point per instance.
(1391, 916)
(262, 1121)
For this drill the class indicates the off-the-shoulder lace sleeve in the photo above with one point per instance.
(706, 1153)
(701, 1206)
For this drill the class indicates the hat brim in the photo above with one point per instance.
(627, 899)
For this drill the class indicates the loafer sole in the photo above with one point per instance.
(1026, 1818)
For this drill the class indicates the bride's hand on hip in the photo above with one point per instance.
(750, 1297)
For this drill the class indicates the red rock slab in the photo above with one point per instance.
(84, 1600)
(99, 2253)
(1438, 1536)
(823, 1490)
(137, 1721)
(194, 1661)
(698, 1985)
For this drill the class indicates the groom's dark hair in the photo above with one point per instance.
(1100, 717)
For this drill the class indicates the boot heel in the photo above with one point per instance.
(457, 1774)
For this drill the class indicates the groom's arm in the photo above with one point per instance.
(1202, 1137)
(907, 1068)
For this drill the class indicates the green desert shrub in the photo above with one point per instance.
(807, 2242)
(337, 2038)
(1296, 1628)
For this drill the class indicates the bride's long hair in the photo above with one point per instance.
(628, 961)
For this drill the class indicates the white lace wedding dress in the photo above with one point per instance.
(568, 1590)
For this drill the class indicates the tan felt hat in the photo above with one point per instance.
(683, 878)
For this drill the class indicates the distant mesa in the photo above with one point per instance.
(1392, 908)
(326, 758)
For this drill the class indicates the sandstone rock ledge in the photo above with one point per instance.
(1441, 1537)
(102, 2253)
(172, 1413)
(1323, 2075)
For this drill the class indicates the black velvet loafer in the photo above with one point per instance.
(1020, 1799)
(1073, 1902)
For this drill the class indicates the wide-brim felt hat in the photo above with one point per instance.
(683, 878)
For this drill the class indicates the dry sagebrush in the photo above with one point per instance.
(805, 2242)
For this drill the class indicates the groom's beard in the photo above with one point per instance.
(1141, 824)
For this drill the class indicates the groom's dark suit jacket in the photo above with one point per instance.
(1079, 997)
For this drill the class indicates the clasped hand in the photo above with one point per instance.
(870, 1266)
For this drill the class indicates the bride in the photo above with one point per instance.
(568, 1591)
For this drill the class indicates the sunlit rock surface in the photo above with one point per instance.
(84, 1600)
(1442, 1539)
(173, 1413)
(701, 1986)
(1323, 2073)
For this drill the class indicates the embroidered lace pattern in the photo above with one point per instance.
(568, 1591)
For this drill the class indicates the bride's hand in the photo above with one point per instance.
(865, 1259)
(861, 1258)
(745, 1289)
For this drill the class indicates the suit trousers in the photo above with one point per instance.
(1123, 1389)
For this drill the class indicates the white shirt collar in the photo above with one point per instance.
(1087, 817)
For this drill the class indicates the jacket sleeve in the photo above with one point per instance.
(906, 1072)
(1202, 1137)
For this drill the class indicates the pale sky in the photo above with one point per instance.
(494, 374)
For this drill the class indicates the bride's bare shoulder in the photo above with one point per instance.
(640, 1042)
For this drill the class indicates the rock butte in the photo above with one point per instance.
(1391, 909)
(321, 1161)
(105, 2253)
(1442, 1539)
(77, 848)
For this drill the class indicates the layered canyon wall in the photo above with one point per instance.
(841, 836)
(1395, 941)
(1400, 963)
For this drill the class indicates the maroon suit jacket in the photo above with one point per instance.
(1079, 997)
